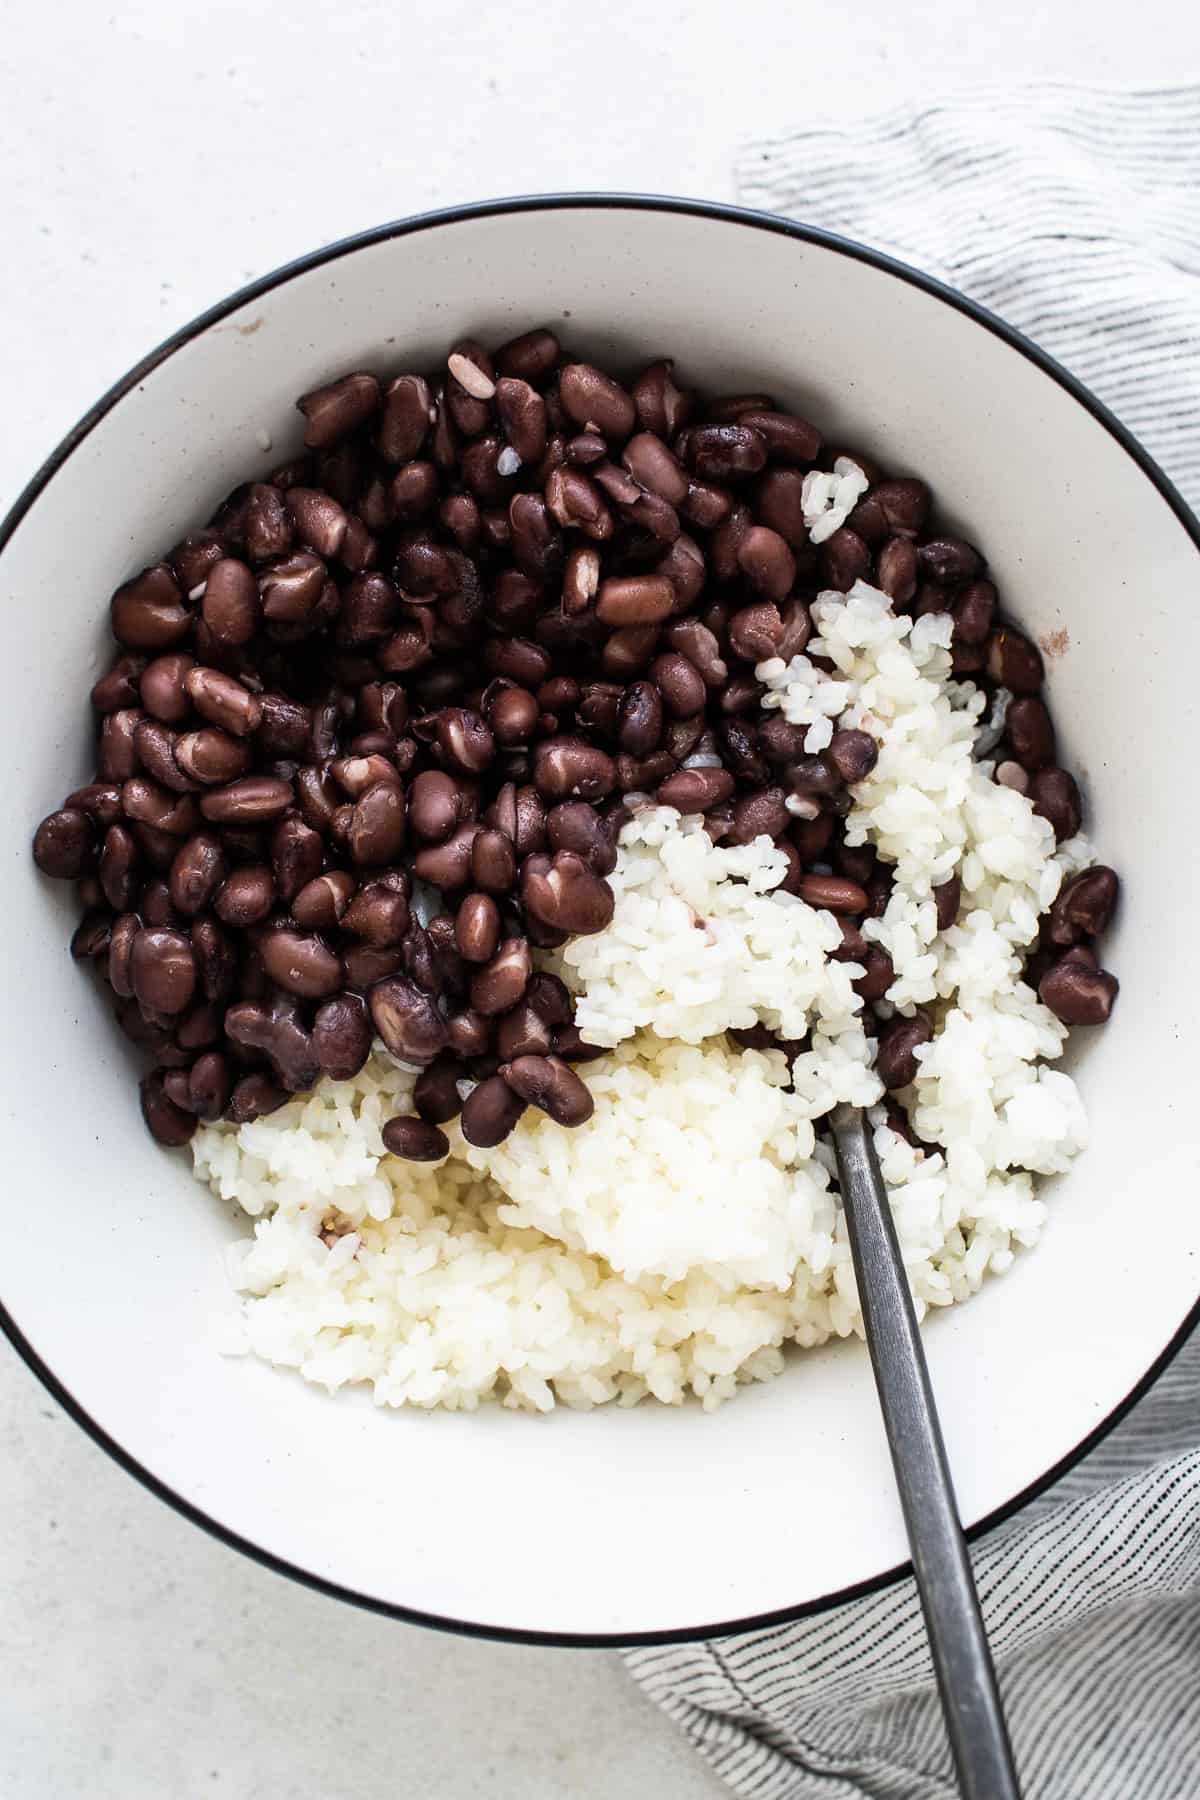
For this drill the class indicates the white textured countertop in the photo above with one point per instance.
(152, 157)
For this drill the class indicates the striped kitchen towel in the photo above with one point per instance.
(1075, 214)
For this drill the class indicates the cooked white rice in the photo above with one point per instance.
(691, 1228)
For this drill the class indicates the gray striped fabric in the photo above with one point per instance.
(1075, 214)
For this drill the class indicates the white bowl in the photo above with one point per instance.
(656, 1522)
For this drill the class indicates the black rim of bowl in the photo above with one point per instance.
(453, 215)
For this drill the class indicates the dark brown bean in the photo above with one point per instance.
(223, 701)
(1076, 994)
(680, 683)
(530, 357)
(592, 398)
(789, 439)
(782, 742)
(125, 929)
(512, 714)
(523, 1032)
(341, 1037)
(896, 1063)
(1014, 662)
(197, 872)
(896, 570)
(852, 754)
(567, 768)
(904, 505)
(157, 907)
(973, 612)
(406, 419)
(447, 865)
(340, 407)
(755, 631)
(464, 739)
(778, 503)
(163, 969)
(148, 612)
(477, 928)
(547, 1083)
(117, 759)
(949, 560)
(266, 524)
(119, 687)
(165, 1121)
(661, 407)
(162, 688)
(767, 562)
(230, 606)
(253, 1098)
(64, 844)
(640, 718)
(276, 1029)
(194, 557)
(297, 852)
(211, 755)
(253, 800)
(695, 790)
(355, 774)
(725, 452)
(517, 659)
(489, 1113)
(149, 804)
(407, 1020)
(469, 1033)
(415, 1139)
(522, 412)
(493, 861)
(301, 965)
(376, 831)
(654, 468)
(845, 559)
(321, 903)
(1055, 797)
(578, 827)
(761, 814)
(1084, 905)
(435, 1091)
(435, 805)
(92, 936)
(246, 896)
(292, 589)
(634, 599)
(414, 492)
(501, 982)
(216, 962)
(574, 500)
(1030, 731)
(155, 745)
(878, 973)
(947, 897)
(834, 893)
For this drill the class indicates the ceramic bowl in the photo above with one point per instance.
(656, 1522)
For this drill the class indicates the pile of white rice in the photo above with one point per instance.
(676, 1242)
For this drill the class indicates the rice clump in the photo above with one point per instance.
(678, 1240)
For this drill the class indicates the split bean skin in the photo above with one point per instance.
(486, 603)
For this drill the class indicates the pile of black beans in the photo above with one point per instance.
(440, 646)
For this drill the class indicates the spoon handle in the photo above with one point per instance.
(962, 1661)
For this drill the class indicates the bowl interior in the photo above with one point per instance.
(656, 1520)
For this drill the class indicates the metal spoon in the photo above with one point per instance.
(961, 1659)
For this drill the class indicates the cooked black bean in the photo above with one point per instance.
(567, 767)
(120, 686)
(946, 898)
(493, 861)
(501, 982)
(300, 964)
(680, 683)
(489, 1113)
(165, 1121)
(477, 928)
(64, 844)
(547, 1083)
(162, 688)
(407, 1020)
(949, 559)
(1055, 797)
(755, 631)
(512, 713)
(117, 759)
(1030, 731)
(1076, 994)
(896, 1063)
(163, 969)
(1014, 662)
(578, 827)
(197, 872)
(760, 814)
(415, 1139)
(696, 790)
(903, 504)
(148, 612)
(634, 599)
(252, 800)
(725, 452)
(342, 406)
(852, 754)
(254, 1097)
(1084, 905)
(230, 606)
(211, 756)
(766, 560)
(834, 893)
(246, 896)
(592, 398)
(376, 831)
(878, 973)
(277, 1029)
